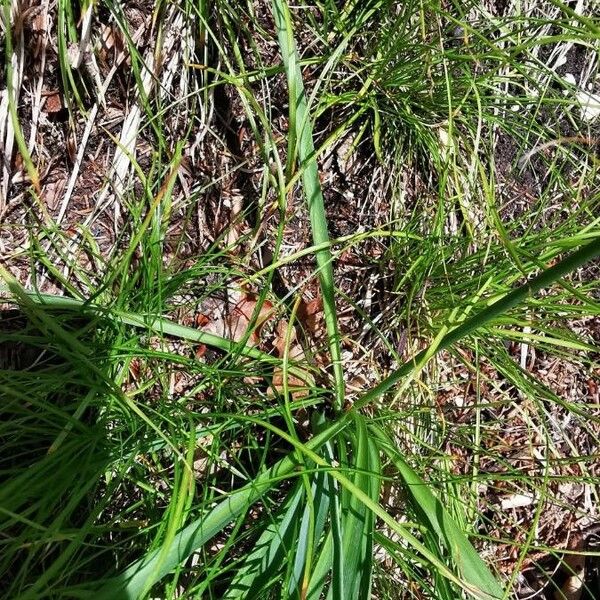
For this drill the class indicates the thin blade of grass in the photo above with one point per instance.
(153, 323)
(337, 588)
(321, 570)
(374, 486)
(470, 564)
(301, 130)
(132, 581)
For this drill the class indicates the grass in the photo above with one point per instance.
(421, 177)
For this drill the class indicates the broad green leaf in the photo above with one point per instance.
(357, 518)
(336, 523)
(322, 491)
(321, 570)
(374, 491)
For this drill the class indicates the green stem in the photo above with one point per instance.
(518, 295)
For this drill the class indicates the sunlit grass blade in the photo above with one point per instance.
(156, 565)
(373, 481)
(301, 130)
(323, 565)
(381, 178)
(153, 323)
(469, 564)
(136, 578)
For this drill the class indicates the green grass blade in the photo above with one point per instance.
(470, 565)
(321, 570)
(358, 520)
(322, 496)
(270, 552)
(301, 130)
(132, 581)
(156, 324)
(338, 580)
(374, 485)
(141, 574)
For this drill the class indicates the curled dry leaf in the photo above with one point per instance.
(233, 324)
(310, 315)
(298, 384)
(52, 193)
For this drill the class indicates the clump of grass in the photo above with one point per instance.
(133, 465)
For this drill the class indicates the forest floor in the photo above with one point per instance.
(211, 253)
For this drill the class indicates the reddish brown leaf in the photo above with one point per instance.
(233, 325)
(53, 102)
(310, 315)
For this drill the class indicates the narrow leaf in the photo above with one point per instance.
(470, 565)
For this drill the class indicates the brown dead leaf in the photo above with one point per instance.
(52, 193)
(54, 103)
(201, 320)
(111, 47)
(310, 315)
(18, 162)
(573, 567)
(281, 333)
(111, 41)
(202, 458)
(232, 320)
(298, 384)
(233, 324)
(241, 317)
(573, 585)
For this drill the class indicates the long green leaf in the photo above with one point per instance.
(301, 130)
(321, 570)
(268, 556)
(357, 518)
(519, 294)
(374, 486)
(470, 565)
(322, 491)
(154, 323)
